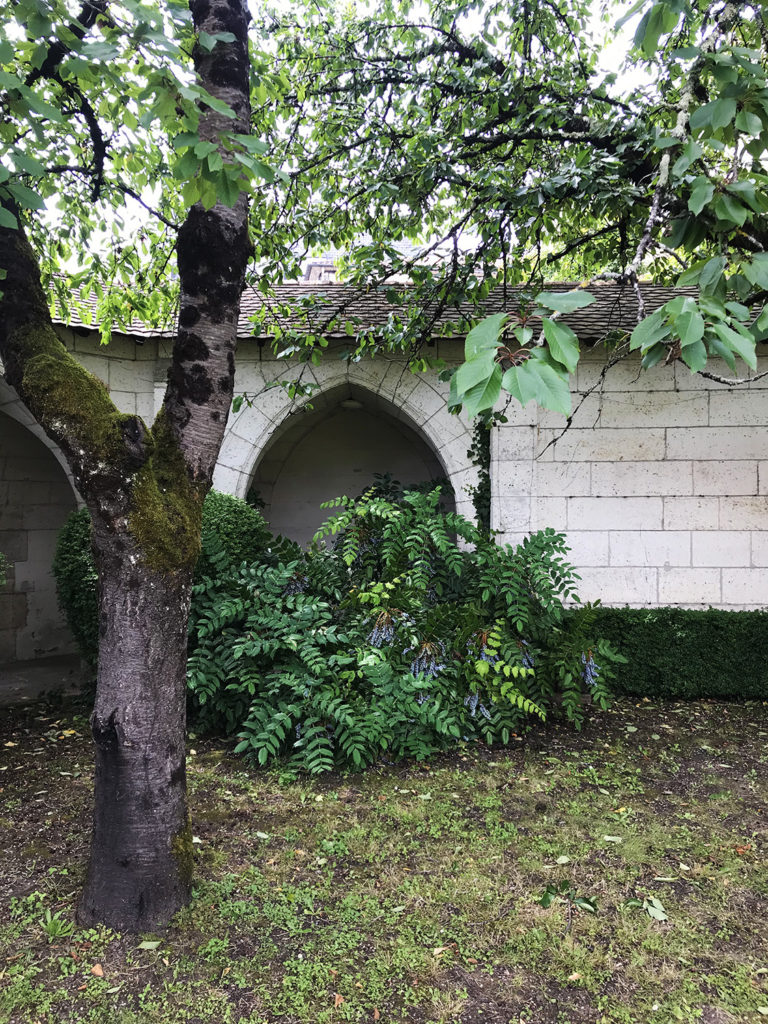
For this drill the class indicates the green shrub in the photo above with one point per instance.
(241, 536)
(393, 639)
(76, 583)
(688, 655)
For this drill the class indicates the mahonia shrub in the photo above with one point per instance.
(403, 629)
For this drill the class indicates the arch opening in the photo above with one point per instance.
(36, 496)
(338, 447)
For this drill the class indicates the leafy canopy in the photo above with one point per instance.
(466, 146)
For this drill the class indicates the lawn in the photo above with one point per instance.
(412, 893)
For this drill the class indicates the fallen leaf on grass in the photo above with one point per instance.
(148, 944)
(574, 977)
(613, 839)
(97, 970)
(376, 1014)
(337, 1000)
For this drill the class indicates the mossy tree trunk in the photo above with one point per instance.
(144, 488)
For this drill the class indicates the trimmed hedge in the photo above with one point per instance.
(688, 655)
(239, 528)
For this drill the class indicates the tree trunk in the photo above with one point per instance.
(140, 868)
(145, 489)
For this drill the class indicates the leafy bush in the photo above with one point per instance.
(240, 535)
(76, 583)
(398, 637)
(689, 655)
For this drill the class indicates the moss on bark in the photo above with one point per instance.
(166, 506)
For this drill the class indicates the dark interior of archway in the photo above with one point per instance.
(35, 499)
(334, 451)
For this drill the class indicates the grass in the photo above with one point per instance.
(412, 893)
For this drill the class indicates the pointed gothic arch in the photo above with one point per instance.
(300, 453)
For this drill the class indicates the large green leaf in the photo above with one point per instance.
(485, 335)
(742, 344)
(474, 371)
(563, 343)
(649, 331)
(565, 302)
(536, 380)
(484, 394)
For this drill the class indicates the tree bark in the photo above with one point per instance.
(141, 854)
(144, 489)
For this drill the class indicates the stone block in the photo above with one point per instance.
(625, 375)
(738, 407)
(656, 409)
(601, 445)
(230, 481)
(745, 587)
(587, 548)
(615, 513)
(760, 547)
(691, 513)
(586, 412)
(687, 381)
(125, 401)
(130, 375)
(650, 547)
(13, 611)
(549, 511)
(744, 513)
(561, 478)
(724, 548)
(511, 515)
(14, 544)
(725, 478)
(513, 479)
(641, 478)
(712, 443)
(616, 586)
(508, 443)
(689, 586)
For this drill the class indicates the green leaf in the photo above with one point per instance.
(537, 380)
(729, 209)
(7, 219)
(484, 395)
(148, 944)
(694, 356)
(565, 302)
(756, 271)
(711, 273)
(717, 348)
(743, 346)
(649, 331)
(563, 343)
(485, 335)
(479, 368)
(701, 194)
(717, 114)
(689, 327)
(749, 123)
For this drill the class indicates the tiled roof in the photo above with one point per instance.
(326, 308)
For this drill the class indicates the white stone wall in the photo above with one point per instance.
(660, 484)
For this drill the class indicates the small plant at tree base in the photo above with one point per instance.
(55, 926)
(390, 637)
(563, 892)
